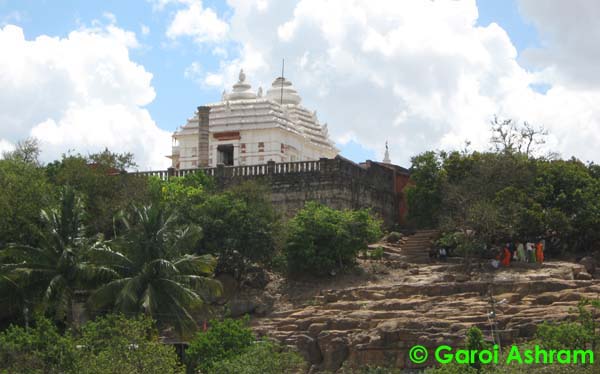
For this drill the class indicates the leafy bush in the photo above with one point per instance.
(39, 349)
(376, 254)
(182, 194)
(25, 192)
(581, 334)
(567, 335)
(223, 340)
(393, 237)
(104, 184)
(262, 357)
(475, 342)
(240, 227)
(119, 345)
(113, 344)
(321, 239)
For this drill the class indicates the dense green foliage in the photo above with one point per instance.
(46, 277)
(223, 340)
(119, 345)
(229, 347)
(239, 225)
(38, 350)
(321, 239)
(499, 196)
(25, 192)
(580, 334)
(261, 357)
(108, 345)
(105, 186)
(157, 274)
(83, 231)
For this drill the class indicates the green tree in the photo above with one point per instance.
(27, 151)
(118, 345)
(113, 344)
(40, 349)
(50, 274)
(183, 195)
(223, 340)
(425, 197)
(321, 239)
(261, 357)
(240, 227)
(581, 334)
(475, 342)
(104, 184)
(25, 192)
(157, 275)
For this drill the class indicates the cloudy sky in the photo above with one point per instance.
(420, 74)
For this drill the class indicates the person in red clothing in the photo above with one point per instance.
(506, 255)
(539, 252)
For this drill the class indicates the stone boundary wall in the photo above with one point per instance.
(337, 183)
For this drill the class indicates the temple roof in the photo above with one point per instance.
(279, 107)
(241, 90)
(282, 92)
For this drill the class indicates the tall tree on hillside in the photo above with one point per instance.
(105, 186)
(157, 275)
(27, 151)
(51, 273)
(25, 192)
(510, 137)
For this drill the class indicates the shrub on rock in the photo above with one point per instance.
(322, 240)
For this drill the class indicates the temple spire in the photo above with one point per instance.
(386, 157)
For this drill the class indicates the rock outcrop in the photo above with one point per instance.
(377, 323)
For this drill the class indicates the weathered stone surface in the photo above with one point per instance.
(589, 263)
(309, 349)
(377, 322)
(256, 278)
(583, 276)
(240, 307)
(334, 349)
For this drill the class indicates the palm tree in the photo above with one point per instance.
(46, 277)
(158, 277)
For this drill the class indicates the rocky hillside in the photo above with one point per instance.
(375, 316)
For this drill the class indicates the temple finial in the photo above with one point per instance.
(242, 76)
(386, 157)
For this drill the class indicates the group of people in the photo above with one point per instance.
(523, 252)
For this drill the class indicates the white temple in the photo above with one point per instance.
(247, 128)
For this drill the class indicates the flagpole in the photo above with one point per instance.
(282, 79)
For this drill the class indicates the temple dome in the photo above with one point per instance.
(241, 90)
(290, 95)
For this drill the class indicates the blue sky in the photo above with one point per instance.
(178, 93)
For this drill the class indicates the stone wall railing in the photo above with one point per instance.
(247, 170)
(337, 182)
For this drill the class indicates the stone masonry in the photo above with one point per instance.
(338, 183)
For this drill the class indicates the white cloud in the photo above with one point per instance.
(11, 17)
(421, 74)
(220, 52)
(215, 80)
(200, 23)
(194, 71)
(81, 92)
(112, 19)
(571, 36)
(145, 30)
(5, 146)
